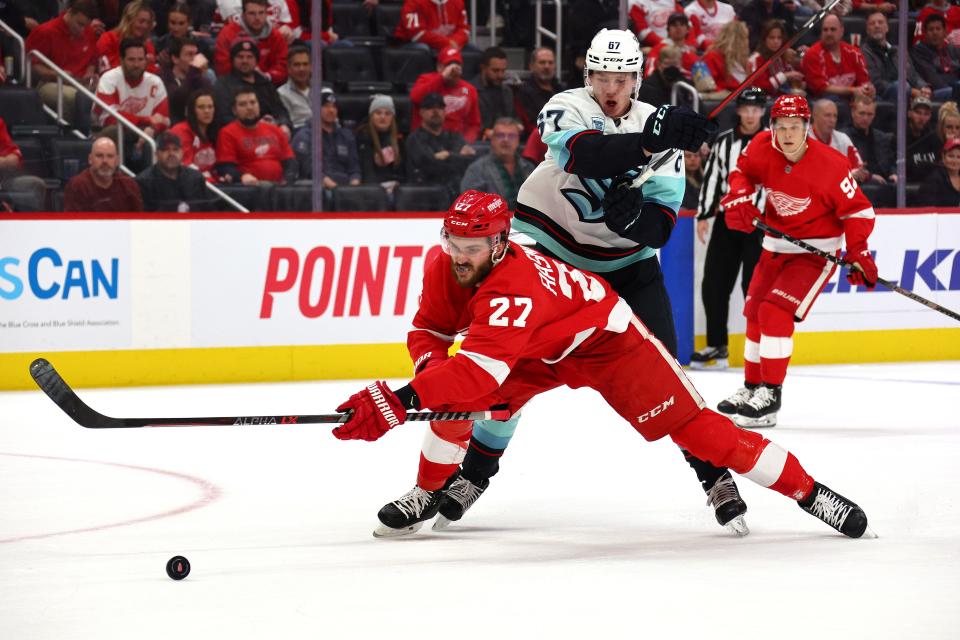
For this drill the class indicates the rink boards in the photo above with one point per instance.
(161, 299)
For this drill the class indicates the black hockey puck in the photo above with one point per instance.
(178, 567)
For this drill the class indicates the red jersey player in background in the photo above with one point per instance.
(811, 195)
(533, 323)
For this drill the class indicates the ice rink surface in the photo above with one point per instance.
(587, 531)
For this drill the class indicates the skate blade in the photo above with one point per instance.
(383, 531)
(738, 526)
(720, 364)
(763, 422)
(441, 523)
(870, 533)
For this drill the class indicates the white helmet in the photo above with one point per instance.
(615, 50)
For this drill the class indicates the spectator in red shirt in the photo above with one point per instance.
(11, 170)
(271, 45)
(781, 75)
(833, 68)
(136, 22)
(198, 134)
(100, 187)
(250, 150)
(728, 55)
(436, 24)
(462, 103)
(70, 43)
(678, 35)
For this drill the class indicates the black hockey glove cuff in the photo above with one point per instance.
(648, 224)
(408, 397)
(676, 127)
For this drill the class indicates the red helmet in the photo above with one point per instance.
(476, 214)
(788, 106)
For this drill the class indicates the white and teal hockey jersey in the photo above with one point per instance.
(562, 210)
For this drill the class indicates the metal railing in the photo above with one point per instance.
(493, 22)
(556, 35)
(680, 84)
(23, 48)
(63, 76)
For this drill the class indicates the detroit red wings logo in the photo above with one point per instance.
(787, 205)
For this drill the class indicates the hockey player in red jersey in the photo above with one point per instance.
(533, 323)
(810, 195)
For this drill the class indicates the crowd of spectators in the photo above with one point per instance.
(222, 87)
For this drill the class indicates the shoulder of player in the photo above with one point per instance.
(577, 100)
(824, 153)
(516, 275)
(760, 144)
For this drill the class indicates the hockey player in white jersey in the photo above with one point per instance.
(579, 206)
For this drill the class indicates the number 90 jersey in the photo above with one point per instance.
(562, 211)
(529, 307)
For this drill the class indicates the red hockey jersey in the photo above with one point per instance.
(815, 199)
(528, 307)
(434, 22)
(821, 69)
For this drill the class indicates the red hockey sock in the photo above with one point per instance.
(776, 342)
(444, 445)
(713, 437)
(751, 353)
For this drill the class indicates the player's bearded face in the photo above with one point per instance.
(613, 90)
(471, 259)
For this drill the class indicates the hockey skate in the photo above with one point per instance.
(761, 409)
(732, 404)
(728, 507)
(455, 502)
(406, 514)
(710, 359)
(838, 512)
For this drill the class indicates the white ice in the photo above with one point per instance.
(587, 531)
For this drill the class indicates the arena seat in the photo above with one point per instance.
(345, 64)
(364, 197)
(404, 108)
(353, 108)
(404, 66)
(298, 197)
(69, 157)
(350, 19)
(254, 197)
(386, 18)
(411, 197)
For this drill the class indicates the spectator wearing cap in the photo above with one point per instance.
(875, 146)
(186, 71)
(378, 145)
(70, 43)
(678, 35)
(882, 61)
(100, 187)
(539, 87)
(250, 149)
(341, 165)
(503, 170)
(168, 185)
(758, 12)
(833, 68)
(462, 103)
(941, 187)
(495, 97)
(436, 156)
(295, 93)
(937, 61)
(923, 145)
(253, 25)
(244, 75)
(437, 24)
(707, 18)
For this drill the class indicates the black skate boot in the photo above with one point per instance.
(838, 512)
(406, 514)
(732, 405)
(761, 409)
(710, 358)
(455, 502)
(727, 504)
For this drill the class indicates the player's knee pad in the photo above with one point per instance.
(713, 437)
(776, 331)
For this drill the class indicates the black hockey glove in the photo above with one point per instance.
(676, 127)
(626, 215)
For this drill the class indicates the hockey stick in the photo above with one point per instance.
(807, 26)
(51, 383)
(760, 224)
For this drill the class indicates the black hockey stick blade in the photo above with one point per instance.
(760, 224)
(53, 384)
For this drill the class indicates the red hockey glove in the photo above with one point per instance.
(739, 210)
(867, 273)
(375, 409)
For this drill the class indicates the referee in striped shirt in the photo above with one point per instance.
(727, 250)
